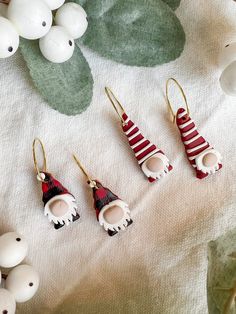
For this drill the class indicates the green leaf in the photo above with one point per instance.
(221, 278)
(172, 3)
(133, 32)
(67, 87)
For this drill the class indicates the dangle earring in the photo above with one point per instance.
(201, 155)
(59, 204)
(112, 213)
(151, 159)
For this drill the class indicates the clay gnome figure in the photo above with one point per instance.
(151, 159)
(59, 204)
(201, 155)
(112, 213)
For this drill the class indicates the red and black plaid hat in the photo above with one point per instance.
(51, 187)
(102, 196)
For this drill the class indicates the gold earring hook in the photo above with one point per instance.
(168, 100)
(115, 103)
(36, 166)
(91, 182)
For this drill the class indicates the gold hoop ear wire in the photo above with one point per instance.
(91, 182)
(115, 103)
(168, 100)
(36, 166)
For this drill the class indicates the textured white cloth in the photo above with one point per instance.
(159, 264)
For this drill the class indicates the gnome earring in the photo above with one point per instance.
(59, 204)
(112, 213)
(201, 155)
(151, 159)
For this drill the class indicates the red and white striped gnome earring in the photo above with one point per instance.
(112, 213)
(59, 204)
(151, 159)
(201, 155)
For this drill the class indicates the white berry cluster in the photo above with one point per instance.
(33, 19)
(22, 282)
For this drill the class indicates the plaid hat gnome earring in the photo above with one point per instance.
(112, 213)
(151, 159)
(59, 204)
(201, 155)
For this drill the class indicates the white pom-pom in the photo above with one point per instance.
(9, 38)
(32, 19)
(57, 46)
(7, 302)
(73, 17)
(13, 249)
(23, 283)
(54, 4)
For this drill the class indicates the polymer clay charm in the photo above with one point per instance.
(202, 156)
(151, 159)
(59, 204)
(113, 214)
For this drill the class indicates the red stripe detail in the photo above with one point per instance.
(146, 152)
(141, 146)
(127, 126)
(187, 128)
(191, 135)
(195, 143)
(196, 152)
(135, 130)
(136, 139)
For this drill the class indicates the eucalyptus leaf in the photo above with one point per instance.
(221, 279)
(172, 3)
(133, 32)
(67, 87)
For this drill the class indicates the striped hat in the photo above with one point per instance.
(193, 142)
(142, 148)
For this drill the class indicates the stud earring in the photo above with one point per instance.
(201, 155)
(59, 204)
(113, 214)
(151, 159)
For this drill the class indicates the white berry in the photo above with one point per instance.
(73, 17)
(32, 19)
(7, 302)
(9, 38)
(54, 4)
(13, 249)
(57, 46)
(22, 282)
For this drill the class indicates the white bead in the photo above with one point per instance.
(7, 302)
(3, 10)
(32, 19)
(228, 55)
(57, 46)
(228, 79)
(22, 282)
(13, 249)
(54, 4)
(73, 17)
(9, 38)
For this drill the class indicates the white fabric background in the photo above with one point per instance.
(159, 264)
